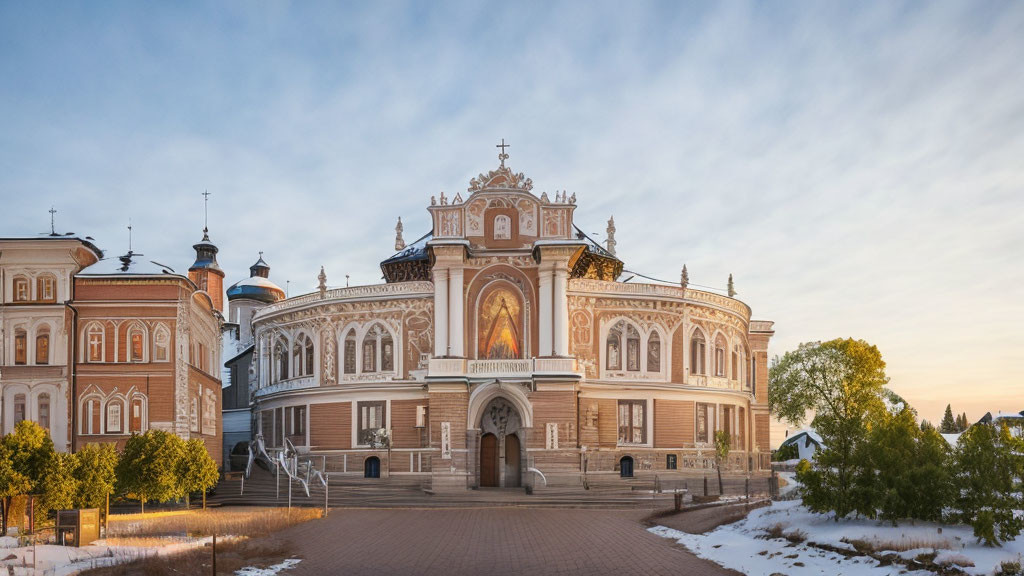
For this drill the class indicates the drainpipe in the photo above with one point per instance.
(72, 353)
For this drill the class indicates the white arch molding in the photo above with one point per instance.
(484, 393)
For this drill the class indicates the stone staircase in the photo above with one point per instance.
(263, 489)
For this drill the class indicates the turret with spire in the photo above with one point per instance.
(205, 272)
(611, 235)
(399, 241)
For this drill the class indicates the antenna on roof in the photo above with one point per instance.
(53, 229)
(129, 235)
(206, 212)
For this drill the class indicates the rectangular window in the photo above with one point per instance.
(632, 422)
(299, 421)
(114, 417)
(19, 408)
(369, 358)
(371, 419)
(703, 423)
(753, 373)
(670, 462)
(136, 346)
(44, 413)
(20, 348)
(350, 356)
(719, 362)
(45, 289)
(735, 366)
(43, 349)
(633, 354)
(21, 290)
(193, 415)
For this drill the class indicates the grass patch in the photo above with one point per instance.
(774, 531)
(871, 546)
(232, 555)
(797, 536)
(252, 522)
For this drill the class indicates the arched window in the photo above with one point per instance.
(161, 344)
(20, 346)
(387, 353)
(632, 349)
(307, 355)
(613, 349)
(21, 292)
(136, 344)
(135, 419)
(502, 227)
(95, 343)
(193, 415)
(115, 413)
(19, 408)
(734, 372)
(697, 352)
(296, 358)
(281, 359)
(46, 288)
(370, 343)
(43, 410)
(720, 356)
(43, 345)
(350, 352)
(90, 422)
(654, 352)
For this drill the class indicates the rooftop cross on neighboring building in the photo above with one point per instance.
(503, 156)
(206, 203)
(261, 254)
(53, 229)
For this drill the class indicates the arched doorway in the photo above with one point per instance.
(371, 467)
(501, 440)
(626, 467)
(489, 461)
(512, 457)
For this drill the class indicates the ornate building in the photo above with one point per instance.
(502, 348)
(35, 320)
(147, 350)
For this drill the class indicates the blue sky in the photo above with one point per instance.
(857, 167)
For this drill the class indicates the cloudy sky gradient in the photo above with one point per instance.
(858, 168)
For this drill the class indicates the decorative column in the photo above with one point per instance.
(544, 313)
(456, 320)
(440, 312)
(561, 289)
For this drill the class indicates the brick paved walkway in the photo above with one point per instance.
(492, 541)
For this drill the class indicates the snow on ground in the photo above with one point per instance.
(270, 570)
(743, 545)
(56, 560)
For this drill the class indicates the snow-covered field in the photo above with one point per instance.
(747, 547)
(51, 560)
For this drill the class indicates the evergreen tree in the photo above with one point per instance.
(841, 381)
(196, 470)
(59, 485)
(948, 425)
(988, 468)
(96, 474)
(148, 469)
(12, 483)
(963, 424)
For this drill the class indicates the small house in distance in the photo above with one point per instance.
(806, 442)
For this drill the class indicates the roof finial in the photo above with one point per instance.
(503, 156)
(206, 214)
(684, 278)
(129, 235)
(53, 229)
(731, 288)
(323, 282)
(399, 241)
(611, 235)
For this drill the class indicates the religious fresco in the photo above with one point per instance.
(500, 333)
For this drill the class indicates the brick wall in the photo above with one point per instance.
(673, 423)
(330, 425)
(761, 431)
(558, 407)
(404, 433)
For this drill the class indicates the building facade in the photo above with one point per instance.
(502, 348)
(147, 352)
(35, 287)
